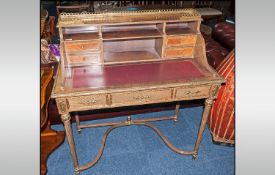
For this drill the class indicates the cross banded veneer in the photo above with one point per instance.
(116, 59)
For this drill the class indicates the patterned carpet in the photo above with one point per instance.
(138, 150)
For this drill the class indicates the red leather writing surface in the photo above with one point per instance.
(97, 76)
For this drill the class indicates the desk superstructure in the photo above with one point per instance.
(120, 59)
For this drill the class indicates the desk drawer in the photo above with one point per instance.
(83, 58)
(174, 52)
(181, 40)
(192, 92)
(82, 46)
(87, 102)
(141, 97)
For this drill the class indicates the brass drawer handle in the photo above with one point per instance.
(189, 92)
(197, 92)
(142, 97)
(92, 101)
(88, 101)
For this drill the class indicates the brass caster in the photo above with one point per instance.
(129, 120)
(194, 156)
(76, 172)
(175, 119)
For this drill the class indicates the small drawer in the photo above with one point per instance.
(83, 58)
(172, 52)
(181, 40)
(88, 102)
(82, 46)
(192, 92)
(141, 97)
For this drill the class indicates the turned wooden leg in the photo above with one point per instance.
(68, 129)
(77, 123)
(177, 112)
(207, 108)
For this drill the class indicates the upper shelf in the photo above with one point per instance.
(131, 34)
(80, 36)
(129, 31)
(133, 31)
(80, 33)
(178, 28)
(179, 31)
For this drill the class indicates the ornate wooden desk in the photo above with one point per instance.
(120, 59)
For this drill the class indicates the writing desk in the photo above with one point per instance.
(171, 68)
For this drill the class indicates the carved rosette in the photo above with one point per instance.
(209, 102)
(62, 105)
(65, 117)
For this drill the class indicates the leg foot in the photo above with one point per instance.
(79, 131)
(194, 156)
(175, 120)
(76, 171)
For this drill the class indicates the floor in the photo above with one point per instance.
(137, 150)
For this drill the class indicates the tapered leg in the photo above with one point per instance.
(77, 123)
(68, 129)
(207, 108)
(177, 112)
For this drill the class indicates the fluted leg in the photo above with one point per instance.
(207, 108)
(77, 121)
(177, 112)
(68, 129)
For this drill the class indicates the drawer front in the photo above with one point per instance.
(141, 97)
(178, 52)
(87, 58)
(87, 102)
(81, 46)
(192, 92)
(181, 40)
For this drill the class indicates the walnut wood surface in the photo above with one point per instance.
(46, 77)
(179, 31)
(186, 52)
(48, 143)
(181, 40)
(84, 58)
(81, 46)
(80, 36)
(50, 139)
